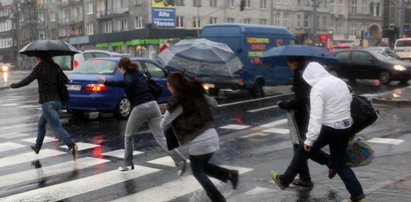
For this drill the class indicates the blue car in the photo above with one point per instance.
(88, 95)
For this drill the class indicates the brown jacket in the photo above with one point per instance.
(192, 122)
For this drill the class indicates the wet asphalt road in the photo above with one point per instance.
(259, 145)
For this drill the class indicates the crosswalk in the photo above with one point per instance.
(96, 174)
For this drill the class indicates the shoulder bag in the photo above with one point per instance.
(155, 88)
(362, 112)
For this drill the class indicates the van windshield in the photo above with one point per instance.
(402, 43)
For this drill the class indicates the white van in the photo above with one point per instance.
(402, 48)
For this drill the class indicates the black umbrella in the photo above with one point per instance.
(51, 47)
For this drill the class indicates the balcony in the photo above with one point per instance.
(104, 14)
(120, 11)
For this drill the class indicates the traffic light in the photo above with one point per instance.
(323, 37)
(242, 5)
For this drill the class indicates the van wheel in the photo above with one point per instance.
(385, 77)
(257, 89)
(123, 109)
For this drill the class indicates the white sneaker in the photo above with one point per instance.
(125, 168)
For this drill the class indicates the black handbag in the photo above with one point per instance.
(172, 141)
(61, 85)
(155, 88)
(362, 112)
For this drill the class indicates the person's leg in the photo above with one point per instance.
(41, 131)
(158, 133)
(135, 120)
(50, 112)
(303, 170)
(338, 148)
(198, 164)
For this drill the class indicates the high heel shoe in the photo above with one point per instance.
(125, 168)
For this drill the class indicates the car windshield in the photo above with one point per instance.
(96, 66)
(63, 61)
(381, 55)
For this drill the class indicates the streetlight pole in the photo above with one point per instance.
(316, 4)
(401, 4)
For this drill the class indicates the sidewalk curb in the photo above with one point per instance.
(391, 102)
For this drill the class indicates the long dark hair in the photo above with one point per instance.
(127, 64)
(187, 92)
(301, 60)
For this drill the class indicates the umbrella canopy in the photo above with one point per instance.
(201, 58)
(202, 50)
(51, 47)
(278, 55)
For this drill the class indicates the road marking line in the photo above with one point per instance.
(252, 135)
(254, 192)
(234, 126)
(46, 139)
(164, 161)
(119, 153)
(81, 186)
(48, 171)
(83, 146)
(28, 156)
(385, 141)
(9, 146)
(17, 126)
(270, 124)
(253, 100)
(262, 109)
(173, 189)
(16, 135)
(277, 130)
(9, 105)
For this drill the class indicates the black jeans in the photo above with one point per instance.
(337, 139)
(319, 157)
(201, 168)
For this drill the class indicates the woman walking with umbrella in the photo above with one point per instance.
(49, 77)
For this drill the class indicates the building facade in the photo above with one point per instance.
(127, 25)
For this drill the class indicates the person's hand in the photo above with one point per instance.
(307, 148)
(101, 79)
(13, 85)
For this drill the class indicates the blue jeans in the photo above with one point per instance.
(51, 116)
(337, 139)
(200, 168)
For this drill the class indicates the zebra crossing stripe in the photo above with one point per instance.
(271, 124)
(234, 126)
(172, 190)
(23, 125)
(27, 176)
(16, 135)
(9, 146)
(33, 139)
(277, 130)
(83, 146)
(164, 161)
(252, 194)
(28, 156)
(80, 186)
(120, 153)
(385, 141)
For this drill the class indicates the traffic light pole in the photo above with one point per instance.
(316, 4)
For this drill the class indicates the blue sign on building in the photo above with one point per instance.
(164, 17)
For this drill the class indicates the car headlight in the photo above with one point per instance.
(399, 68)
(5, 68)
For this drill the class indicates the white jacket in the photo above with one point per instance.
(330, 100)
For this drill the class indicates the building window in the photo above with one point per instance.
(90, 8)
(354, 30)
(231, 3)
(332, 6)
(377, 9)
(197, 3)
(180, 21)
(263, 21)
(263, 4)
(138, 23)
(180, 2)
(90, 29)
(306, 20)
(277, 19)
(53, 16)
(230, 20)
(123, 3)
(247, 20)
(213, 3)
(196, 22)
(340, 7)
(248, 4)
(138, 2)
(364, 6)
(353, 6)
(299, 21)
(107, 27)
(213, 20)
(285, 19)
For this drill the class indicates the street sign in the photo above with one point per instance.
(367, 35)
(407, 29)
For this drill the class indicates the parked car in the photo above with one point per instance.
(370, 64)
(385, 50)
(340, 47)
(402, 48)
(87, 95)
(65, 61)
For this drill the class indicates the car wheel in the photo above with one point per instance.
(385, 77)
(123, 109)
(257, 89)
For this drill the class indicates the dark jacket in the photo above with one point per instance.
(47, 75)
(192, 122)
(135, 86)
(302, 101)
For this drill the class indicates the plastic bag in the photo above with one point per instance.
(359, 153)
